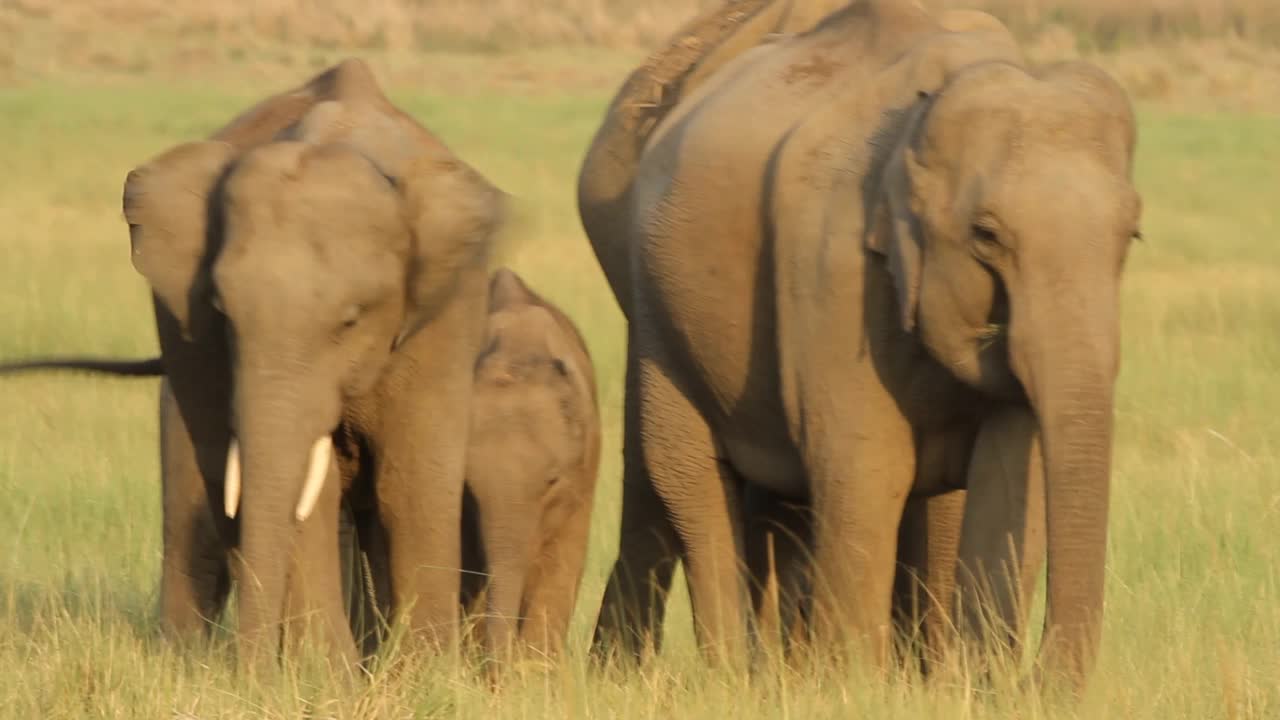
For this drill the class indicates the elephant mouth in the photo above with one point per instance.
(989, 334)
(317, 469)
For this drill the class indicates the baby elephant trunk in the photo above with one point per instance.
(508, 538)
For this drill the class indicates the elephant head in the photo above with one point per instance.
(1007, 213)
(304, 243)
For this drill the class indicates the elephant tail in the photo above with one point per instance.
(150, 367)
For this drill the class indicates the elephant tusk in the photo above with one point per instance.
(231, 481)
(316, 472)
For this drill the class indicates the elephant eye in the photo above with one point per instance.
(985, 235)
(351, 316)
(560, 367)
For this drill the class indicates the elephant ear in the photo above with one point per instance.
(166, 203)
(895, 232)
(453, 213)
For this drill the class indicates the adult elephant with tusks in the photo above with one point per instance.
(319, 267)
(859, 297)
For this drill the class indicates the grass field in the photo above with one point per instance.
(1193, 614)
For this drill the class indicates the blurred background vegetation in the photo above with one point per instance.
(1161, 49)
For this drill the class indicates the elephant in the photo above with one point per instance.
(904, 267)
(533, 454)
(532, 457)
(319, 275)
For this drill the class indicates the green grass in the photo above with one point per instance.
(1193, 615)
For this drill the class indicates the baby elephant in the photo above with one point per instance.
(531, 469)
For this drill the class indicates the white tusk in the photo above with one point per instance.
(316, 473)
(231, 481)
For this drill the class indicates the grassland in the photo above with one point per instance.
(1193, 615)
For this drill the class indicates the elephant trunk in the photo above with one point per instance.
(507, 534)
(1068, 367)
(278, 455)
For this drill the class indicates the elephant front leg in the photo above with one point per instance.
(700, 495)
(859, 486)
(195, 576)
(1002, 544)
(419, 487)
(629, 624)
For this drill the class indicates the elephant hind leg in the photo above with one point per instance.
(924, 585)
(629, 624)
(778, 547)
(700, 494)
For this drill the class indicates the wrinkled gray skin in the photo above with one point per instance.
(905, 265)
(319, 269)
(532, 459)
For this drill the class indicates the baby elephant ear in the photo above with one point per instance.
(167, 205)
(453, 213)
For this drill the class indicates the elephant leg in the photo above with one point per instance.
(1002, 543)
(419, 489)
(859, 486)
(924, 586)
(195, 576)
(314, 613)
(634, 604)
(420, 464)
(777, 545)
(421, 521)
(700, 493)
(552, 591)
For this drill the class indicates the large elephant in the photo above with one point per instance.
(852, 259)
(319, 264)
(532, 460)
